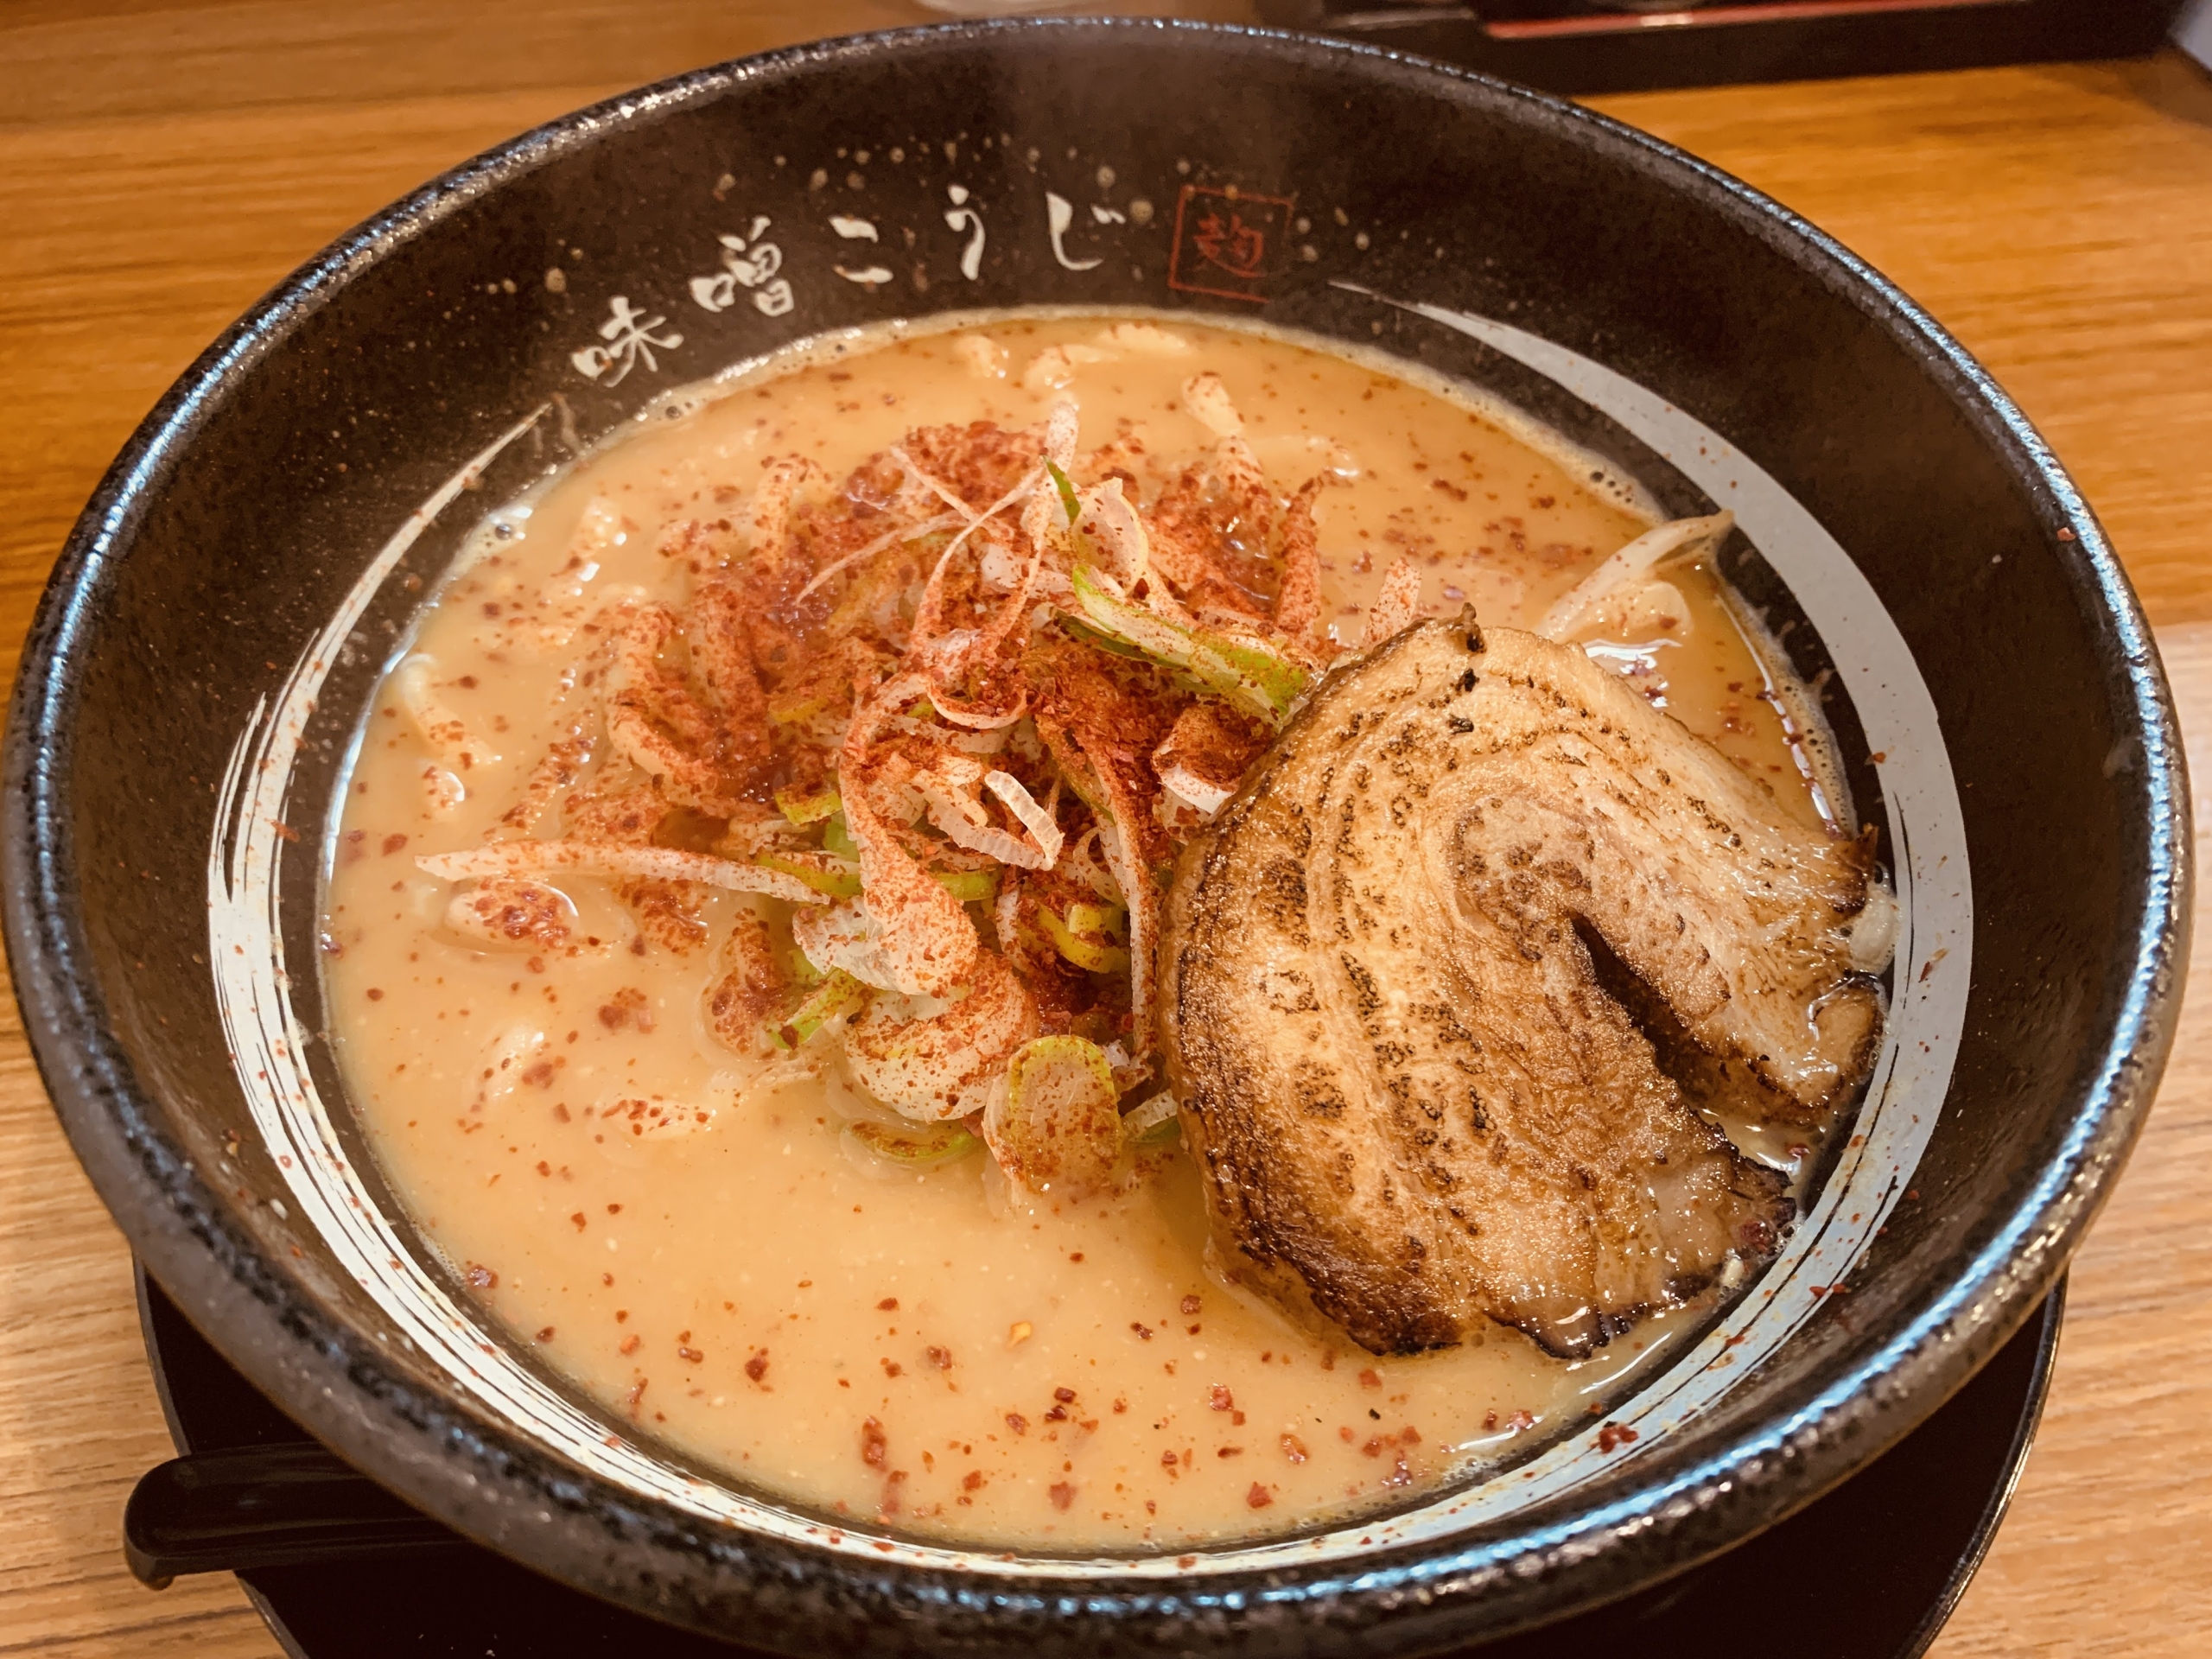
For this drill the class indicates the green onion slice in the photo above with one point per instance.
(1092, 955)
(807, 805)
(1246, 673)
(838, 994)
(1154, 1123)
(917, 1146)
(969, 887)
(840, 878)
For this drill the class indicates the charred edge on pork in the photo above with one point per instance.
(1419, 1098)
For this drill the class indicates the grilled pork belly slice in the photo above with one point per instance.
(1414, 974)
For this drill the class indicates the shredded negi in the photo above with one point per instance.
(951, 719)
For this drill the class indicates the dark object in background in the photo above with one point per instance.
(1620, 46)
(376, 1579)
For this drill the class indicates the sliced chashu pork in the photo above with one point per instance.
(1396, 968)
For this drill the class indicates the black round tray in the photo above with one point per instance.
(1870, 1571)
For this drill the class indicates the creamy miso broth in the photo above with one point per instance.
(707, 1240)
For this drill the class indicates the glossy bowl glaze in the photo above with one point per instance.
(221, 612)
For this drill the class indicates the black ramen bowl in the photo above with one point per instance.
(211, 633)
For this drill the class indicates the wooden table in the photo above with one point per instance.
(163, 162)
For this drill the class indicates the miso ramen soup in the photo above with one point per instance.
(736, 933)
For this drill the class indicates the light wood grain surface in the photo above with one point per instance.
(163, 162)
